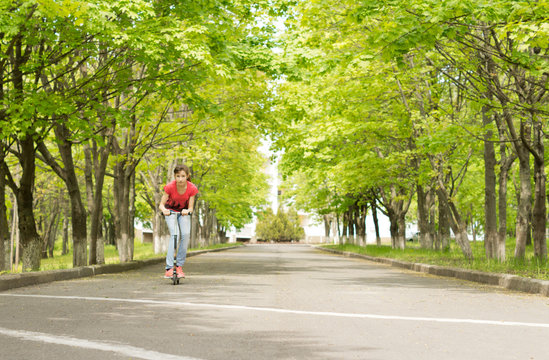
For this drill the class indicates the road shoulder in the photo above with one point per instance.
(507, 281)
(11, 281)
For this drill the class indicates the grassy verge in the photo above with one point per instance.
(142, 251)
(530, 267)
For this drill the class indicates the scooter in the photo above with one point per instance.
(175, 279)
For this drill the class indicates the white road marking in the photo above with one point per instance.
(125, 350)
(287, 311)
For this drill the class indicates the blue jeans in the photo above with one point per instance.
(180, 226)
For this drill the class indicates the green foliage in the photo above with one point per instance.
(279, 227)
(224, 150)
(357, 96)
(389, 95)
(162, 81)
(340, 124)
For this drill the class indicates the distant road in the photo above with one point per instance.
(272, 302)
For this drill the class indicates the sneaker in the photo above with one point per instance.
(169, 273)
(179, 272)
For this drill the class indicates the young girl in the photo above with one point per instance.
(178, 200)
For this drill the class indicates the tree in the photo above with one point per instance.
(443, 76)
(340, 128)
(93, 73)
(505, 76)
(21, 29)
(279, 227)
(4, 228)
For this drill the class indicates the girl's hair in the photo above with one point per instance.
(182, 167)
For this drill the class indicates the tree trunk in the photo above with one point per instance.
(459, 227)
(14, 237)
(222, 234)
(327, 225)
(4, 228)
(206, 228)
(342, 229)
(525, 197)
(88, 180)
(506, 161)
(195, 224)
(52, 237)
(431, 234)
(396, 211)
(154, 180)
(349, 216)
(124, 192)
(121, 214)
(529, 229)
(337, 223)
(79, 233)
(100, 245)
(443, 225)
(393, 228)
(540, 209)
(376, 222)
(487, 66)
(31, 244)
(78, 212)
(335, 235)
(214, 239)
(361, 224)
(398, 229)
(110, 233)
(401, 240)
(357, 226)
(132, 210)
(502, 211)
(525, 193)
(425, 234)
(68, 175)
(30, 240)
(65, 246)
(48, 236)
(160, 240)
(352, 219)
(490, 214)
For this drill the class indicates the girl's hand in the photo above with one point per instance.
(166, 212)
(185, 212)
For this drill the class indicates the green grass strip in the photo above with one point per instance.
(142, 251)
(530, 267)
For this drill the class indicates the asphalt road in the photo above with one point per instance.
(272, 302)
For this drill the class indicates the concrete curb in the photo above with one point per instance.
(510, 282)
(12, 281)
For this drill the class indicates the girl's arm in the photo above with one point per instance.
(162, 206)
(191, 206)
